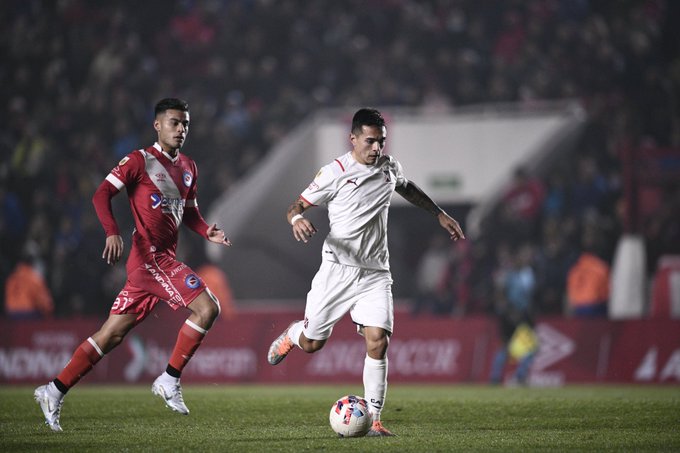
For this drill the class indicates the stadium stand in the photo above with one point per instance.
(78, 78)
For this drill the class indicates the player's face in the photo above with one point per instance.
(368, 146)
(172, 127)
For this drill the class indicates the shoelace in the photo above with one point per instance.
(58, 411)
(178, 393)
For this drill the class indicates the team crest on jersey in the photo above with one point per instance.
(124, 161)
(187, 178)
(192, 281)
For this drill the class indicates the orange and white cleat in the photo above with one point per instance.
(378, 430)
(280, 347)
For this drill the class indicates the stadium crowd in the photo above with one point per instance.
(78, 78)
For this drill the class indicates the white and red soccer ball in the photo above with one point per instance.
(350, 416)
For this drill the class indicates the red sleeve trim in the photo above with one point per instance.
(306, 201)
(343, 168)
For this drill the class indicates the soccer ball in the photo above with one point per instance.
(350, 416)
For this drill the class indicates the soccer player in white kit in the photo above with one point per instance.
(354, 275)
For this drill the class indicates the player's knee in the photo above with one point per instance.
(311, 346)
(110, 336)
(376, 347)
(209, 314)
(216, 309)
(206, 309)
(213, 312)
(114, 341)
(108, 340)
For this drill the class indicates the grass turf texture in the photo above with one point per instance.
(295, 418)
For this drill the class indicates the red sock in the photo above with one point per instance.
(188, 340)
(84, 358)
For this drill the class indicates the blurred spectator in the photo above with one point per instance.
(665, 297)
(26, 293)
(588, 284)
(30, 153)
(662, 228)
(216, 279)
(483, 262)
(521, 205)
(252, 71)
(125, 139)
(555, 202)
(589, 188)
(192, 251)
(12, 218)
(458, 277)
(514, 310)
(433, 295)
(554, 259)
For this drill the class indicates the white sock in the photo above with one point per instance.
(54, 391)
(295, 331)
(375, 384)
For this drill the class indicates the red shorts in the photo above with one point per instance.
(162, 278)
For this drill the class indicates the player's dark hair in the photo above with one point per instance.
(171, 104)
(366, 117)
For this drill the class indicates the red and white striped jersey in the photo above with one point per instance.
(159, 189)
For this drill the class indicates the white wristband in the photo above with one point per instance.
(295, 218)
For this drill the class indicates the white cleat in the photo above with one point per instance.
(50, 406)
(171, 394)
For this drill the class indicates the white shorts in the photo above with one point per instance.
(337, 289)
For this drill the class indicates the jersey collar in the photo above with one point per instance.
(170, 158)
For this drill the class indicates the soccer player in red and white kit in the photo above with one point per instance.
(161, 187)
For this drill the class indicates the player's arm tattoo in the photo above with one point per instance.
(294, 209)
(415, 195)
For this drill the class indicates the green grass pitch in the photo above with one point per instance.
(426, 418)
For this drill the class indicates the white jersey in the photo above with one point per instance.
(357, 197)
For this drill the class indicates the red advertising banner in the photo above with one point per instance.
(422, 350)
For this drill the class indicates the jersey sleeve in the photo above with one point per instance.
(194, 220)
(322, 189)
(128, 171)
(192, 216)
(192, 195)
(102, 206)
(399, 172)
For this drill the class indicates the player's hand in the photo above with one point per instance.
(113, 249)
(303, 229)
(451, 225)
(217, 236)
